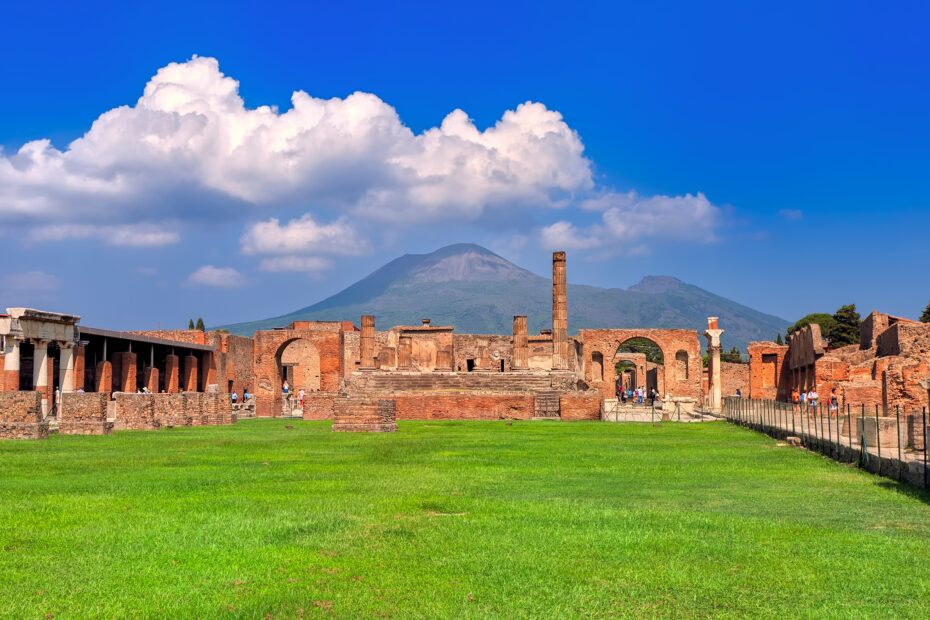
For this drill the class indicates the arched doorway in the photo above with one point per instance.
(298, 362)
(641, 363)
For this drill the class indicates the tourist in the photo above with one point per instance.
(812, 399)
(834, 403)
(285, 388)
(300, 398)
(739, 394)
(795, 397)
(234, 397)
(803, 401)
(618, 388)
(245, 395)
(623, 396)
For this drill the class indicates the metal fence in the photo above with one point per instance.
(888, 442)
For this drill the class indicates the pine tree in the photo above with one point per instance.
(190, 324)
(200, 325)
(925, 317)
(778, 339)
(846, 329)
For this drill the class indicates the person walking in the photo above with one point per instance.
(300, 398)
(834, 403)
(618, 388)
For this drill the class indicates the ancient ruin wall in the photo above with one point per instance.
(84, 414)
(465, 406)
(354, 413)
(21, 416)
(581, 405)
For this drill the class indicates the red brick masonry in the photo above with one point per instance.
(356, 413)
(21, 416)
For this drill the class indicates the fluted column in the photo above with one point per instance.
(520, 359)
(559, 313)
(712, 333)
(66, 367)
(367, 342)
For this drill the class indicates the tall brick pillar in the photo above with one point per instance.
(40, 372)
(104, 377)
(171, 373)
(712, 333)
(151, 379)
(367, 342)
(208, 368)
(405, 353)
(79, 365)
(66, 367)
(520, 360)
(128, 373)
(559, 313)
(190, 373)
(9, 381)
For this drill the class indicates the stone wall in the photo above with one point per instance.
(318, 406)
(21, 416)
(581, 405)
(464, 406)
(734, 377)
(356, 413)
(176, 409)
(217, 409)
(486, 352)
(84, 414)
(135, 412)
(769, 375)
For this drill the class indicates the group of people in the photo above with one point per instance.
(810, 400)
(636, 396)
(245, 396)
(286, 390)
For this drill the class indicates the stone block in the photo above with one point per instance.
(84, 414)
(135, 412)
(354, 413)
(21, 416)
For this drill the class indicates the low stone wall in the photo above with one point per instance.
(319, 406)
(355, 413)
(581, 405)
(135, 412)
(465, 406)
(84, 414)
(171, 410)
(217, 409)
(21, 416)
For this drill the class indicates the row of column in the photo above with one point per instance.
(127, 368)
(40, 367)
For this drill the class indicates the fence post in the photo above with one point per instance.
(849, 428)
(878, 439)
(829, 432)
(793, 432)
(897, 412)
(925, 445)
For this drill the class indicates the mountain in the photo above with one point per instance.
(478, 292)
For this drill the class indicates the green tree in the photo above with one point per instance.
(846, 328)
(200, 325)
(778, 339)
(643, 345)
(925, 317)
(826, 322)
(734, 356)
(190, 324)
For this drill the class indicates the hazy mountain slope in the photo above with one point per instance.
(477, 291)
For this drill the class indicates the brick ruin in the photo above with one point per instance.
(427, 371)
(883, 370)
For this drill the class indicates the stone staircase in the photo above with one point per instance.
(376, 382)
(546, 405)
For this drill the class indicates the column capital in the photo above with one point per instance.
(66, 344)
(40, 342)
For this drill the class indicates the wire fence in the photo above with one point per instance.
(887, 442)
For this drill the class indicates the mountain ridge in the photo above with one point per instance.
(478, 291)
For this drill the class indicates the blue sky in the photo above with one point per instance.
(776, 155)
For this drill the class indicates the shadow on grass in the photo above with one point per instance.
(907, 490)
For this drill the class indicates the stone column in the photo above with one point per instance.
(40, 372)
(367, 342)
(520, 359)
(79, 367)
(712, 333)
(171, 373)
(190, 373)
(9, 381)
(150, 379)
(104, 378)
(559, 313)
(405, 353)
(66, 367)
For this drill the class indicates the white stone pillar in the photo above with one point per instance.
(66, 367)
(9, 381)
(40, 372)
(712, 333)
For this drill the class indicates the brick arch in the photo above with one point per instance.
(266, 362)
(670, 341)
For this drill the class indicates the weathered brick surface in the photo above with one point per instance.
(581, 405)
(21, 416)
(464, 406)
(135, 412)
(269, 344)
(355, 413)
(734, 377)
(768, 371)
(103, 377)
(217, 409)
(319, 406)
(170, 410)
(84, 414)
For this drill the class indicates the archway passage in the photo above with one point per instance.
(299, 363)
(640, 363)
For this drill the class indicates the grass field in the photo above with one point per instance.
(470, 519)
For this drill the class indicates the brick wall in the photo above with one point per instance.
(21, 416)
(84, 414)
(734, 377)
(217, 409)
(318, 406)
(465, 406)
(135, 412)
(171, 410)
(581, 406)
(355, 413)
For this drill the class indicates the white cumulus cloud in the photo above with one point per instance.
(303, 235)
(295, 263)
(190, 148)
(628, 217)
(219, 277)
(139, 235)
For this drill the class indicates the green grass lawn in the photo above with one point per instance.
(471, 519)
